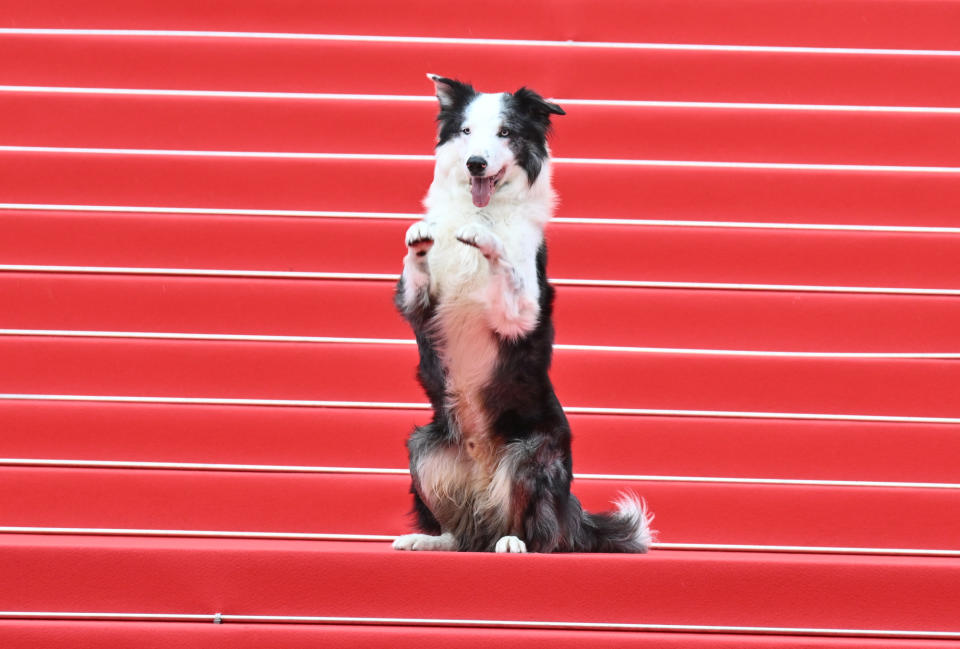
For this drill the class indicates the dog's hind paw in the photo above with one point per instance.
(510, 544)
(444, 542)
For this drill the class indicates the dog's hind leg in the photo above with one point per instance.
(426, 521)
(442, 543)
(430, 453)
(512, 295)
(538, 472)
(548, 518)
(433, 539)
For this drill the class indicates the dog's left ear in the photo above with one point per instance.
(535, 104)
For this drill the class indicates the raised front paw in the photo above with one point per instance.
(419, 239)
(482, 239)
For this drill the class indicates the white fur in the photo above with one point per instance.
(510, 544)
(635, 511)
(511, 295)
(444, 542)
(441, 476)
(483, 119)
(468, 349)
(494, 495)
(498, 494)
(415, 269)
(450, 476)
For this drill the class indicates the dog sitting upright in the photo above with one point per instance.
(492, 470)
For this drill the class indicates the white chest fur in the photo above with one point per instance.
(482, 301)
(468, 346)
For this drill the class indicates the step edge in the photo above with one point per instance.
(138, 465)
(393, 277)
(346, 340)
(381, 538)
(410, 157)
(222, 618)
(137, 210)
(341, 96)
(381, 405)
(442, 40)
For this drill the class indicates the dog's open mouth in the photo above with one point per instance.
(481, 187)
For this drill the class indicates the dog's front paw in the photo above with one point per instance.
(419, 239)
(482, 239)
(510, 544)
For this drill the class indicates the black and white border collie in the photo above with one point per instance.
(492, 470)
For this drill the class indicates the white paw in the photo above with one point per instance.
(424, 542)
(510, 544)
(482, 239)
(419, 239)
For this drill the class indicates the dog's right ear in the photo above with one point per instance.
(450, 92)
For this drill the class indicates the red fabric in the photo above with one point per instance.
(298, 578)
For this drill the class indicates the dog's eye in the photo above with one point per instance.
(465, 131)
(504, 132)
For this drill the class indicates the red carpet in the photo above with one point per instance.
(205, 390)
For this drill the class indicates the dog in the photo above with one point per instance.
(492, 470)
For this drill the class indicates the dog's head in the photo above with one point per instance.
(491, 140)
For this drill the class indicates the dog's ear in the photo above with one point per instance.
(450, 92)
(534, 104)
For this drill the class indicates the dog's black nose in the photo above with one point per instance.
(476, 165)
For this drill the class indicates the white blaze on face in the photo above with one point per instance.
(483, 119)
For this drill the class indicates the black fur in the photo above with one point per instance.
(454, 96)
(527, 116)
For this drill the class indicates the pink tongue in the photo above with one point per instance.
(481, 189)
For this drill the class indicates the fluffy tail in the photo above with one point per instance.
(626, 529)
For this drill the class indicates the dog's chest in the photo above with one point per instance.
(466, 342)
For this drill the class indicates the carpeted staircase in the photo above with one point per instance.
(205, 389)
